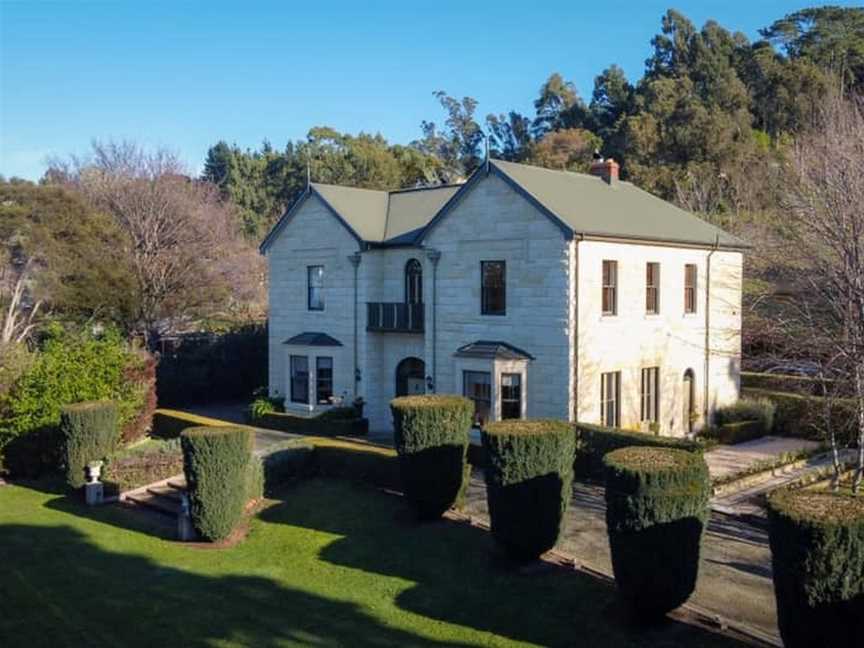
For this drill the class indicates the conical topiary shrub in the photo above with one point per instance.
(656, 512)
(89, 432)
(216, 464)
(431, 437)
(817, 554)
(529, 475)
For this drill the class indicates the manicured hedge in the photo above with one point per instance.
(285, 462)
(656, 511)
(89, 432)
(169, 424)
(798, 415)
(593, 442)
(732, 433)
(431, 438)
(216, 463)
(341, 421)
(748, 409)
(779, 382)
(817, 553)
(357, 461)
(529, 476)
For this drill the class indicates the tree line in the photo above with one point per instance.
(705, 125)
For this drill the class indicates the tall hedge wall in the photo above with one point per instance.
(656, 512)
(797, 414)
(89, 432)
(431, 437)
(529, 475)
(216, 463)
(593, 442)
(69, 367)
(817, 554)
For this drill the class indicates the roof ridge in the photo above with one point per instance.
(343, 186)
(428, 188)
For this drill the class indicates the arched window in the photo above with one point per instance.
(413, 282)
(410, 377)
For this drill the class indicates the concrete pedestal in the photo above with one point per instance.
(93, 493)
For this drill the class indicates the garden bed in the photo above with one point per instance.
(142, 464)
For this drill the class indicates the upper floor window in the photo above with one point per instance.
(315, 287)
(690, 288)
(493, 289)
(413, 282)
(652, 288)
(610, 399)
(610, 287)
(299, 379)
(323, 380)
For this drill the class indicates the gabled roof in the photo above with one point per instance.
(591, 207)
(578, 204)
(376, 217)
(312, 339)
(492, 349)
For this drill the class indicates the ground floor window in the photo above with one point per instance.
(477, 386)
(650, 392)
(299, 379)
(323, 380)
(610, 399)
(511, 396)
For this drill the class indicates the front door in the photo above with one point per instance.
(410, 377)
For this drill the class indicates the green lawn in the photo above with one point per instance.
(334, 564)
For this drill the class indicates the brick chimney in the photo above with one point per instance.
(606, 169)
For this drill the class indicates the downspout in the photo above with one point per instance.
(355, 262)
(432, 379)
(708, 327)
(575, 271)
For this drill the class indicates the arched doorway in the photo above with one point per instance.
(688, 393)
(410, 377)
(413, 282)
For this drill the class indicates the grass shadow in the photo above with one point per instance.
(459, 578)
(59, 589)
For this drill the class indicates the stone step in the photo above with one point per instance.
(168, 506)
(178, 484)
(167, 492)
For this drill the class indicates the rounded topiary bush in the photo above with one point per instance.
(89, 432)
(656, 512)
(817, 553)
(529, 474)
(431, 437)
(216, 464)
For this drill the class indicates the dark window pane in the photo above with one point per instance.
(493, 291)
(652, 288)
(511, 396)
(323, 380)
(477, 386)
(299, 379)
(690, 288)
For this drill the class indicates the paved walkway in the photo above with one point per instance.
(735, 574)
(727, 459)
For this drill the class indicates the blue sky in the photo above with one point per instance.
(185, 74)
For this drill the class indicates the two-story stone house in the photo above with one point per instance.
(536, 293)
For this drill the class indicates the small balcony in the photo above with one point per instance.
(394, 317)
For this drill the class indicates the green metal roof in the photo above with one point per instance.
(386, 217)
(579, 204)
(592, 207)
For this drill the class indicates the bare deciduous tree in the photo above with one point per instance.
(186, 252)
(824, 205)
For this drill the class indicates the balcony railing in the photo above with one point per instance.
(395, 317)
